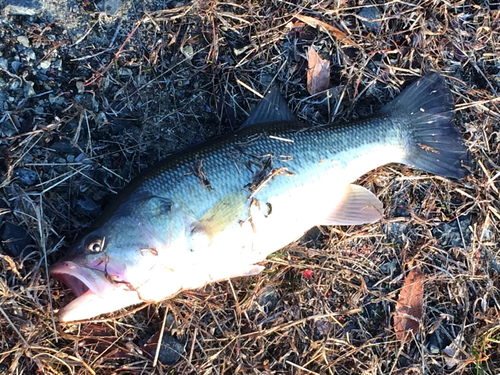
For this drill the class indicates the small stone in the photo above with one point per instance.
(7, 129)
(456, 233)
(170, 350)
(269, 299)
(442, 337)
(24, 41)
(188, 51)
(64, 146)
(59, 100)
(57, 64)
(45, 64)
(370, 18)
(80, 86)
(30, 54)
(22, 7)
(389, 267)
(321, 329)
(29, 91)
(87, 206)
(109, 6)
(14, 84)
(82, 159)
(15, 240)
(40, 109)
(15, 66)
(27, 176)
(125, 72)
(4, 64)
(88, 101)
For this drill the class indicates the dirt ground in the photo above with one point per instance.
(93, 93)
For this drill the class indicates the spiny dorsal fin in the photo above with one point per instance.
(272, 108)
(358, 206)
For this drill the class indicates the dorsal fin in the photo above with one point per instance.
(272, 108)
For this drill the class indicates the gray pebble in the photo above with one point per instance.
(450, 234)
(389, 267)
(23, 40)
(4, 64)
(14, 84)
(170, 350)
(27, 176)
(29, 91)
(30, 54)
(56, 100)
(109, 6)
(87, 206)
(57, 64)
(442, 337)
(15, 240)
(7, 129)
(370, 18)
(269, 299)
(22, 7)
(321, 329)
(64, 146)
(45, 64)
(15, 66)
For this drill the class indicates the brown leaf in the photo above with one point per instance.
(409, 307)
(329, 29)
(318, 72)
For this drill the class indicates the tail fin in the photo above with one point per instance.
(432, 141)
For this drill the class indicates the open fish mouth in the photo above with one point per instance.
(80, 279)
(95, 293)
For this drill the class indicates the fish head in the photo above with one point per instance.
(108, 267)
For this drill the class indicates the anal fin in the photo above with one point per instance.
(358, 206)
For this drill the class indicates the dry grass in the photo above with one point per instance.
(174, 77)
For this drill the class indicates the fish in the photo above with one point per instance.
(214, 211)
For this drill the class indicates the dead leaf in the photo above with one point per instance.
(409, 308)
(318, 72)
(329, 29)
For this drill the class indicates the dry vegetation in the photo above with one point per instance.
(146, 82)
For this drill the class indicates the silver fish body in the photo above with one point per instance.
(212, 212)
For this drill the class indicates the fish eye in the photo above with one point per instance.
(95, 244)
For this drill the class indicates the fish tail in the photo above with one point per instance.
(431, 140)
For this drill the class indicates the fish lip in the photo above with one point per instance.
(96, 295)
(80, 279)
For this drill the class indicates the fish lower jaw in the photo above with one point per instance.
(95, 294)
(90, 305)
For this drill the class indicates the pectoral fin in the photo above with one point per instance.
(358, 206)
(223, 214)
